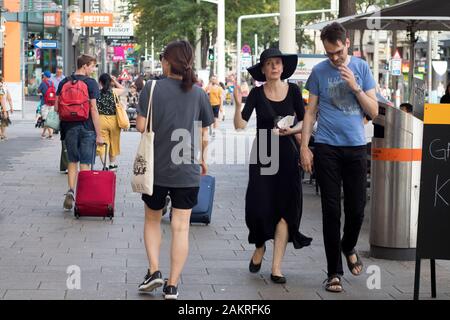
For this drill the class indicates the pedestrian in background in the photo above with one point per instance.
(110, 93)
(273, 202)
(178, 104)
(446, 97)
(57, 77)
(80, 137)
(4, 115)
(342, 91)
(215, 99)
(46, 85)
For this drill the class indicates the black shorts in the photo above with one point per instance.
(182, 198)
(216, 110)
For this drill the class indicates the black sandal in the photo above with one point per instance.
(333, 284)
(353, 265)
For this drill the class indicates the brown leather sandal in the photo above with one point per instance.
(333, 284)
(353, 265)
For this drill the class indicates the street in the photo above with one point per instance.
(39, 241)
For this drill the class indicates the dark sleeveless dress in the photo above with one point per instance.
(271, 197)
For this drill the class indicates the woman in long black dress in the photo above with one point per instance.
(273, 206)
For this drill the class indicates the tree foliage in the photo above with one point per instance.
(166, 20)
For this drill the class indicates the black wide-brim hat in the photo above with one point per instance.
(289, 64)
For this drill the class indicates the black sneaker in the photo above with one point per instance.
(151, 281)
(170, 292)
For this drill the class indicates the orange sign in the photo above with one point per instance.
(94, 20)
(52, 19)
(395, 154)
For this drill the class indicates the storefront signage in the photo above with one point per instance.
(46, 44)
(79, 20)
(52, 19)
(119, 29)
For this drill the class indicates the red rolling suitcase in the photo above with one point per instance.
(96, 193)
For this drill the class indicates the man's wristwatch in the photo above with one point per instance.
(358, 90)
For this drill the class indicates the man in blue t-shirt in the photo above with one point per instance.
(342, 92)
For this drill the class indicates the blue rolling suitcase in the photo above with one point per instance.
(201, 213)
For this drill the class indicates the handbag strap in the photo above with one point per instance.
(149, 126)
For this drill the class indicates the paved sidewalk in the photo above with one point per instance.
(38, 240)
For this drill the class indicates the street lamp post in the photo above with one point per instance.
(220, 38)
(287, 26)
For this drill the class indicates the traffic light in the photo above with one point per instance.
(211, 54)
(30, 50)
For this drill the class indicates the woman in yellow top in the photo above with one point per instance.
(106, 104)
(215, 93)
(4, 116)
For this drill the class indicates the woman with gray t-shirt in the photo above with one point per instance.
(181, 115)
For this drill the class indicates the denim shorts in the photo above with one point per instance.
(80, 144)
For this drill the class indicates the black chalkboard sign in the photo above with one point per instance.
(433, 234)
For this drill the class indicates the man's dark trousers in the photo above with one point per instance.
(335, 166)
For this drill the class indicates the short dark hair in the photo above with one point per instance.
(333, 33)
(407, 106)
(85, 59)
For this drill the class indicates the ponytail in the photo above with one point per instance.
(189, 79)
(180, 56)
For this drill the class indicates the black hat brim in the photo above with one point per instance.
(290, 62)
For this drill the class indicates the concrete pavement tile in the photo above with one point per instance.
(21, 261)
(30, 284)
(95, 295)
(231, 295)
(134, 294)
(62, 285)
(298, 294)
(8, 269)
(92, 250)
(34, 294)
(422, 296)
(87, 262)
(250, 280)
(63, 268)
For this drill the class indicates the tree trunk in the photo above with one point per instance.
(361, 43)
(348, 8)
(205, 47)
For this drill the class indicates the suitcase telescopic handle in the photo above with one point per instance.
(106, 154)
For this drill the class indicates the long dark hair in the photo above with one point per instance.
(447, 92)
(180, 56)
(105, 81)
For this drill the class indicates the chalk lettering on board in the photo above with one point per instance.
(437, 194)
(439, 154)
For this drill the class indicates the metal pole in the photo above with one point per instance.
(198, 46)
(153, 54)
(429, 64)
(221, 40)
(288, 42)
(376, 57)
(256, 47)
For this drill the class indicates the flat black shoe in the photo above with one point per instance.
(277, 279)
(254, 268)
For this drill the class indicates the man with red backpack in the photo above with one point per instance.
(48, 97)
(80, 127)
